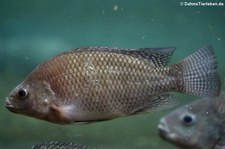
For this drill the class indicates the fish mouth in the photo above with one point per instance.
(9, 105)
(163, 127)
(168, 135)
(165, 132)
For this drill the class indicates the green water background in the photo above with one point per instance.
(33, 31)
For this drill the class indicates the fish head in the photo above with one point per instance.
(20, 99)
(186, 127)
(31, 98)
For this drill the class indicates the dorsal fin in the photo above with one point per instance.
(218, 104)
(158, 56)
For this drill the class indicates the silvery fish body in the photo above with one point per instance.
(59, 145)
(96, 84)
(199, 125)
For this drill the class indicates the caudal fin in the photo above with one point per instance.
(197, 74)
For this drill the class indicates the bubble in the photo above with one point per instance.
(103, 12)
(115, 7)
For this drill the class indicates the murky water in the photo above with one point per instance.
(33, 31)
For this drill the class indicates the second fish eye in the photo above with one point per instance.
(188, 119)
(22, 93)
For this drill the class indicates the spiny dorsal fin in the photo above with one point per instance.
(218, 104)
(157, 56)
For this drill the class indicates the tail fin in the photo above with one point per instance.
(197, 74)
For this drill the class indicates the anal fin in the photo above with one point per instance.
(157, 103)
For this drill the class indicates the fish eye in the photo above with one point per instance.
(22, 93)
(188, 119)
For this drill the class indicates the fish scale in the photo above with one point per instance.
(96, 84)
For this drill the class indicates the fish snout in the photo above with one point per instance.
(163, 128)
(8, 103)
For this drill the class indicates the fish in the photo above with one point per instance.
(89, 85)
(59, 145)
(198, 125)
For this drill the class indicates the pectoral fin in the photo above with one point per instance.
(68, 115)
(58, 115)
(72, 115)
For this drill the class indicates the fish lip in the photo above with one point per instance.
(11, 108)
(167, 134)
(164, 131)
(9, 105)
(163, 127)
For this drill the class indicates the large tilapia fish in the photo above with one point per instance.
(199, 125)
(96, 84)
